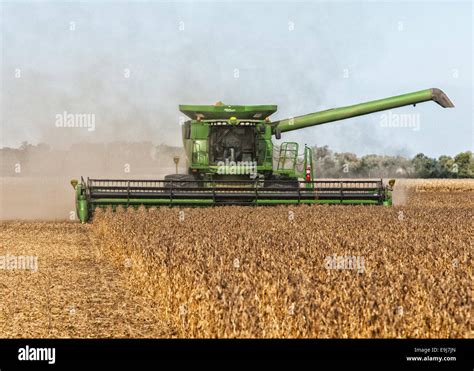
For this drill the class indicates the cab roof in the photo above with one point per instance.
(224, 111)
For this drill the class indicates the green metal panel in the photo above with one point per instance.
(199, 130)
(265, 148)
(81, 204)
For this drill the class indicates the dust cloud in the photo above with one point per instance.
(35, 180)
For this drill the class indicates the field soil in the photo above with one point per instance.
(75, 291)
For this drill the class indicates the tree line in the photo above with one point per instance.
(328, 163)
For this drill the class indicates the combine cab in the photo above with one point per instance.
(229, 151)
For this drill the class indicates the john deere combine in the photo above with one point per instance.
(229, 151)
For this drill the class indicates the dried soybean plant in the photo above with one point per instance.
(308, 271)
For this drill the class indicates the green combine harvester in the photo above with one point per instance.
(229, 154)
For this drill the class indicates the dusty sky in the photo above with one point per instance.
(131, 63)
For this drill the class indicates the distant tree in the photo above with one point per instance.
(321, 152)
(369, 165)
(464, 165)
(402, 167)
(346, 163)
(425, 167)
(445, 167)
(324, 162)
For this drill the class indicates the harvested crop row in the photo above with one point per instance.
(68, 289)
(308, 271)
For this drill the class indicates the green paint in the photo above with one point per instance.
(82, 211)
(342, 113)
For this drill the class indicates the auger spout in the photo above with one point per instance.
(336, 114)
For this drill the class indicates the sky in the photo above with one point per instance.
(130, 64)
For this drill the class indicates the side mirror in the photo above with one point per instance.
(277, 133)
(187, 130)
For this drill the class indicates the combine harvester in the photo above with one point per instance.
(229, 151)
